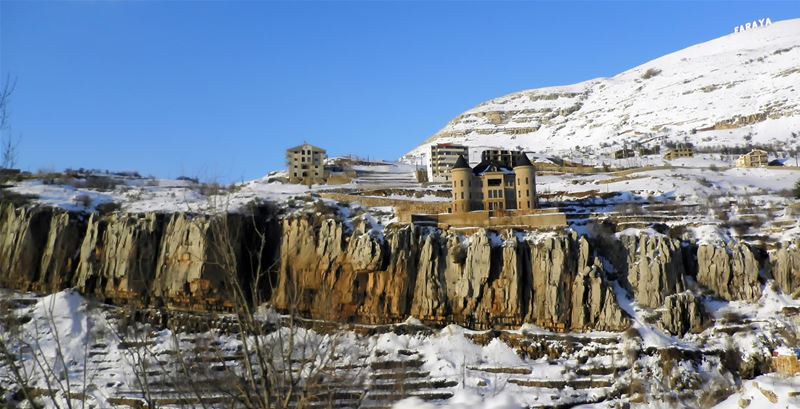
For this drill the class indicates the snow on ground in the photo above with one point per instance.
(689, 184)
(65, 325)
(766, 391)
(465, 399)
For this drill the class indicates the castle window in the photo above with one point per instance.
(462, 195)
(462, 183)
(526, 180)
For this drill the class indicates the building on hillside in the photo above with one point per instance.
(493, 186)
(680, 151)
(305, 164)
(443, 157)
(754, 159)
(506, 157)
(623, 153)
(645, 151)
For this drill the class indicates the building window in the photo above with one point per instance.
(462, 183)
(462, 195)
(527, 193)
(529, 204)
(526, 180)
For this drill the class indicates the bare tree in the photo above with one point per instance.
(36, 354)
(281, 363)
(16, 376)
(8, 143)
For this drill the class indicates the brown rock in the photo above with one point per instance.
(730, 272)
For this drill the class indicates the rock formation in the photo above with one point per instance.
(785, 267)
(730, 272)
(654, 268)
(682, 313)
(330, 268)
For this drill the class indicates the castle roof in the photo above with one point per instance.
(461, 163)
(523, 160)
(490, 166)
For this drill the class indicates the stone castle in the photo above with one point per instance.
(494, 185)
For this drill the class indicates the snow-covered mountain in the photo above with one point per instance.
(740, 88)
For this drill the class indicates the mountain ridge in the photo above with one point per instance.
(736, 89)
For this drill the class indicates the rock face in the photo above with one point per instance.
(785, 267)
(119, 257)
(730, 272)
(655, 268)
(481, 281)
(118, 254)
(328, 268)
(682, 313)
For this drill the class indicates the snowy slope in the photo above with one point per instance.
(717, 92)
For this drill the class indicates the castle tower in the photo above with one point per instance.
(525, 183)
(461, 175)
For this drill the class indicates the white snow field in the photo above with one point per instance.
(738, 88)
(74, 341)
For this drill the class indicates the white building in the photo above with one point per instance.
(443, 157)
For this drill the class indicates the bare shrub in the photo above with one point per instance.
(108, 207)
(83, 200)
(629, 209)
(677, 231)
(650, 73)
(796, 190)
(98, 182)
(732, 317)
(713, 392)
(16, 199)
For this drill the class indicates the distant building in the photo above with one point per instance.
(443, 157)
(506, 157)
(305, 164)
(491, 186)
(680, 151)
(623, 153)
(754, 159)
(644, 151)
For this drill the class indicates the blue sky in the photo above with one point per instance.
(219, 89)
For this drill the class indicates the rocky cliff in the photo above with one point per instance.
(331, 268)
(730, 272)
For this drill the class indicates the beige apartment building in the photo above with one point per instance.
(753, 159)
(305, 164)
(680, 151)
(443, 157)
